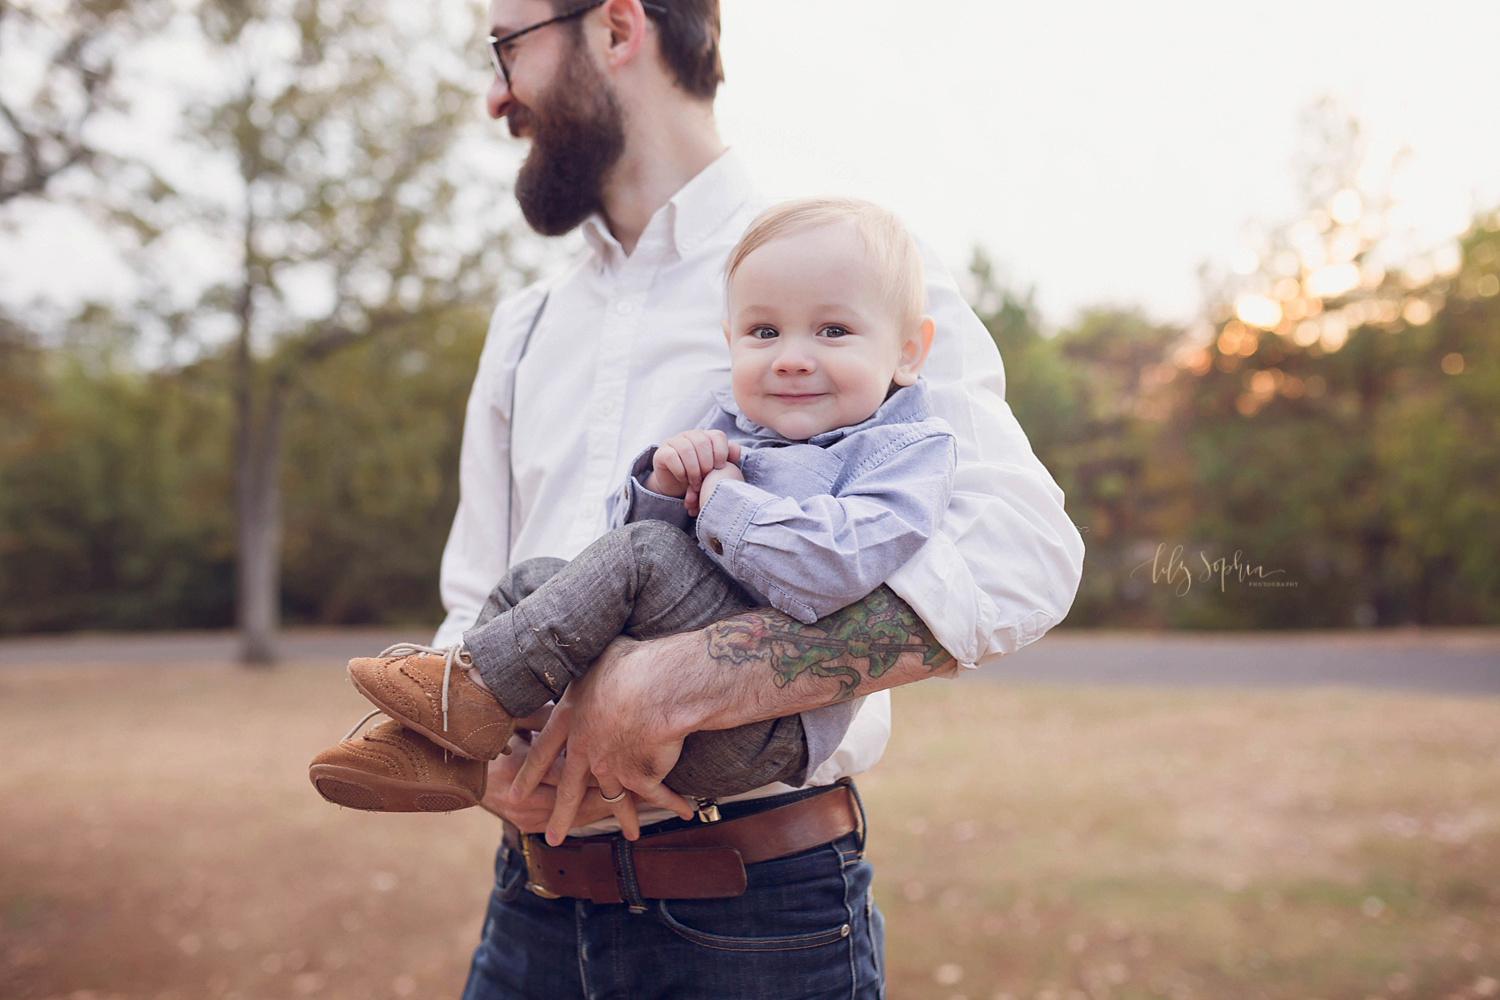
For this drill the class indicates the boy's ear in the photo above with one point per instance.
(914, 352)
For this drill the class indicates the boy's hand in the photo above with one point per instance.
(683, 460)
(695, 502)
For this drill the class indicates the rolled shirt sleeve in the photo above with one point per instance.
(634, 502)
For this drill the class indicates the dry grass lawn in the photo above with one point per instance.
(159, 839)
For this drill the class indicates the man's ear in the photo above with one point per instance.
(914, 352)
(626, 20)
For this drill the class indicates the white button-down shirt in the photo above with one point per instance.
(628, 351)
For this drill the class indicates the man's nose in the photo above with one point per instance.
(497, 99)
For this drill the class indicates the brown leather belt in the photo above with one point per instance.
(703, 861)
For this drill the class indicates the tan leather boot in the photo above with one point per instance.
(392, 769)
(429, 690)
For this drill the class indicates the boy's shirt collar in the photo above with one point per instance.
(909, 404)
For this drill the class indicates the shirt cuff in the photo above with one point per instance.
(724, 519)
(636, 503)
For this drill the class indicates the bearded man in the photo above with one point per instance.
(766, 895)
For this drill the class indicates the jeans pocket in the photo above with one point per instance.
(510, 874)
(727, 942)
(802, 901)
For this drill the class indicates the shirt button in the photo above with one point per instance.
(716, 545)
(623, 308)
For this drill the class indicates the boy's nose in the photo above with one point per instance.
(793, 362)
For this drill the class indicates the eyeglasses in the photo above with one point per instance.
(499, 45)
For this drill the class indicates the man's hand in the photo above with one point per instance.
(617, 736)
(530, 813)
(683, 460)
(624, 721)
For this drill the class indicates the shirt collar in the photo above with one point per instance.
(690, 218)
(906, 405)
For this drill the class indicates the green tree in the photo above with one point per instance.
(1436, 447)
(111, 510)
(72, 51)
(1089, 397)
(336, 130)
(1325, 435)
(371, 476)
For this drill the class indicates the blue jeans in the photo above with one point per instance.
(806, 928)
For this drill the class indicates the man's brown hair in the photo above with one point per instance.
(689, 40)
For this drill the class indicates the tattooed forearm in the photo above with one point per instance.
(854, 645)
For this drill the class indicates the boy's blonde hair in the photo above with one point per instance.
(889, 246)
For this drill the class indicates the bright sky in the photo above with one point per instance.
(1101, 150)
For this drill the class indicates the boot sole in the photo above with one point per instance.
(355, 789)
(436, 737)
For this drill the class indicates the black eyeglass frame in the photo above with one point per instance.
(495, 44)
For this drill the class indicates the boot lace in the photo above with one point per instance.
(451, 655)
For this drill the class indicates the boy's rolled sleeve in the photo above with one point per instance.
(634, 502)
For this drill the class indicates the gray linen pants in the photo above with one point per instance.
(548, 619)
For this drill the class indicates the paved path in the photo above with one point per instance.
(1447, 661)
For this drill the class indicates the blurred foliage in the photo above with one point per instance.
(46, 115)
(1362, 467)
(372, 474)
(115, 484)
(323, 173)
(1318, 451)
(1365, 473)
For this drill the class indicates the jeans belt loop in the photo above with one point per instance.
(630, 889)
(859, 808)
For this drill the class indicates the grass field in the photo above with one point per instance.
(159, 839)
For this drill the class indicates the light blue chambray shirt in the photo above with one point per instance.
(816, 525)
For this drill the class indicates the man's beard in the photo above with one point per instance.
(577, 135)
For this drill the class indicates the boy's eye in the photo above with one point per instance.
(763, 332)
(834, 330)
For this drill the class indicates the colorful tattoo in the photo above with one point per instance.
(863, 640)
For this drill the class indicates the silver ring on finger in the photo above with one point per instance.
(613, 798)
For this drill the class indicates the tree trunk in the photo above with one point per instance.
(257, 486)
(258, 598)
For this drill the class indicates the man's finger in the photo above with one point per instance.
(546, 746)
(663, 797)
(535, 721)
(571, 789)
(624, 810)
